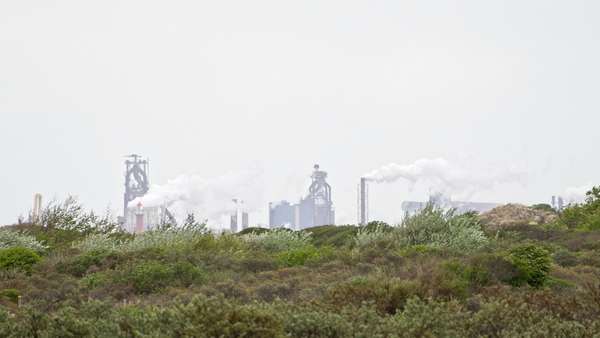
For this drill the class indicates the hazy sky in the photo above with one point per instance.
(213, 87)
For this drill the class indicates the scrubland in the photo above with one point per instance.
(74, 274)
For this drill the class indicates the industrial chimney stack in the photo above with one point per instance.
(37, 208)
(363, 207)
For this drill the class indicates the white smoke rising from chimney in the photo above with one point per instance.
(445, 177)
(207, 198)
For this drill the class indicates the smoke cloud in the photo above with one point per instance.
(446, 177)
(209, 199)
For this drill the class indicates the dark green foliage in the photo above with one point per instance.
(489, 269)
(533, 263)
(79, 265)
(151, 276)
(543, 207)
(377, 225)
(252, 230)
(330, 235)
(17, 258)
(583, 216)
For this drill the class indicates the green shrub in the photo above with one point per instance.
(18, 258)
(422, 318)
(382, 238)
(278, 240)
(488, 269)
(584, 216)
(185, 274)
(331, 235)
(218, 317)
(299, 256)
(543, 207)
(96, 280)
(443, 229)
(171, 238)
(312, 323)
(151, 276)
(388, 295)
(533, 263)
(148, 277)
(79, 265)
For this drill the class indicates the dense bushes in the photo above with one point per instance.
(434, 275)
(10, 239)
(585, 215)
(439, 228)
(533, 263)
(432, 227)
(18, 258)
(278, 240)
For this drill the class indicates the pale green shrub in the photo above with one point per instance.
(461, 234)
(98, 242)
(371, 236)
(170, 238)
(443, 229)
(278, 240)
(10, 239)
(432, 227)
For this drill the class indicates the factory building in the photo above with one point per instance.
(444, 202)
(234, 222)
(314, 210)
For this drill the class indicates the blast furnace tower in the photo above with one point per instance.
(137, 184)
(314, 210)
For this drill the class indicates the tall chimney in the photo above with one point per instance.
(245, 220)
(363, 202)
(37, 208)
(234, 223)
(139, 219)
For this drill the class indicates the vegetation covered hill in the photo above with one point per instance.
(436, 275)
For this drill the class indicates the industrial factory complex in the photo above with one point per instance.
(313, 210)
(137, 218)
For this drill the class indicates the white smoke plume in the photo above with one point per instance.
(210, 199)
(444, 177)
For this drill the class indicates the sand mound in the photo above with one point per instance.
(511, 215)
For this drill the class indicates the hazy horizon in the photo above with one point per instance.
(273, 87)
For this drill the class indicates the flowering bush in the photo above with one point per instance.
(152, 239)
(10, 239)
(278, 240)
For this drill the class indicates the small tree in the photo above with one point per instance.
(18, 258)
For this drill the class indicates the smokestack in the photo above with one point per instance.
(245, 220)
(139, 219)
(37, 208)
(234, 223)
(362, 205)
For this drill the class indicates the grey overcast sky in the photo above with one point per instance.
(211, 87)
